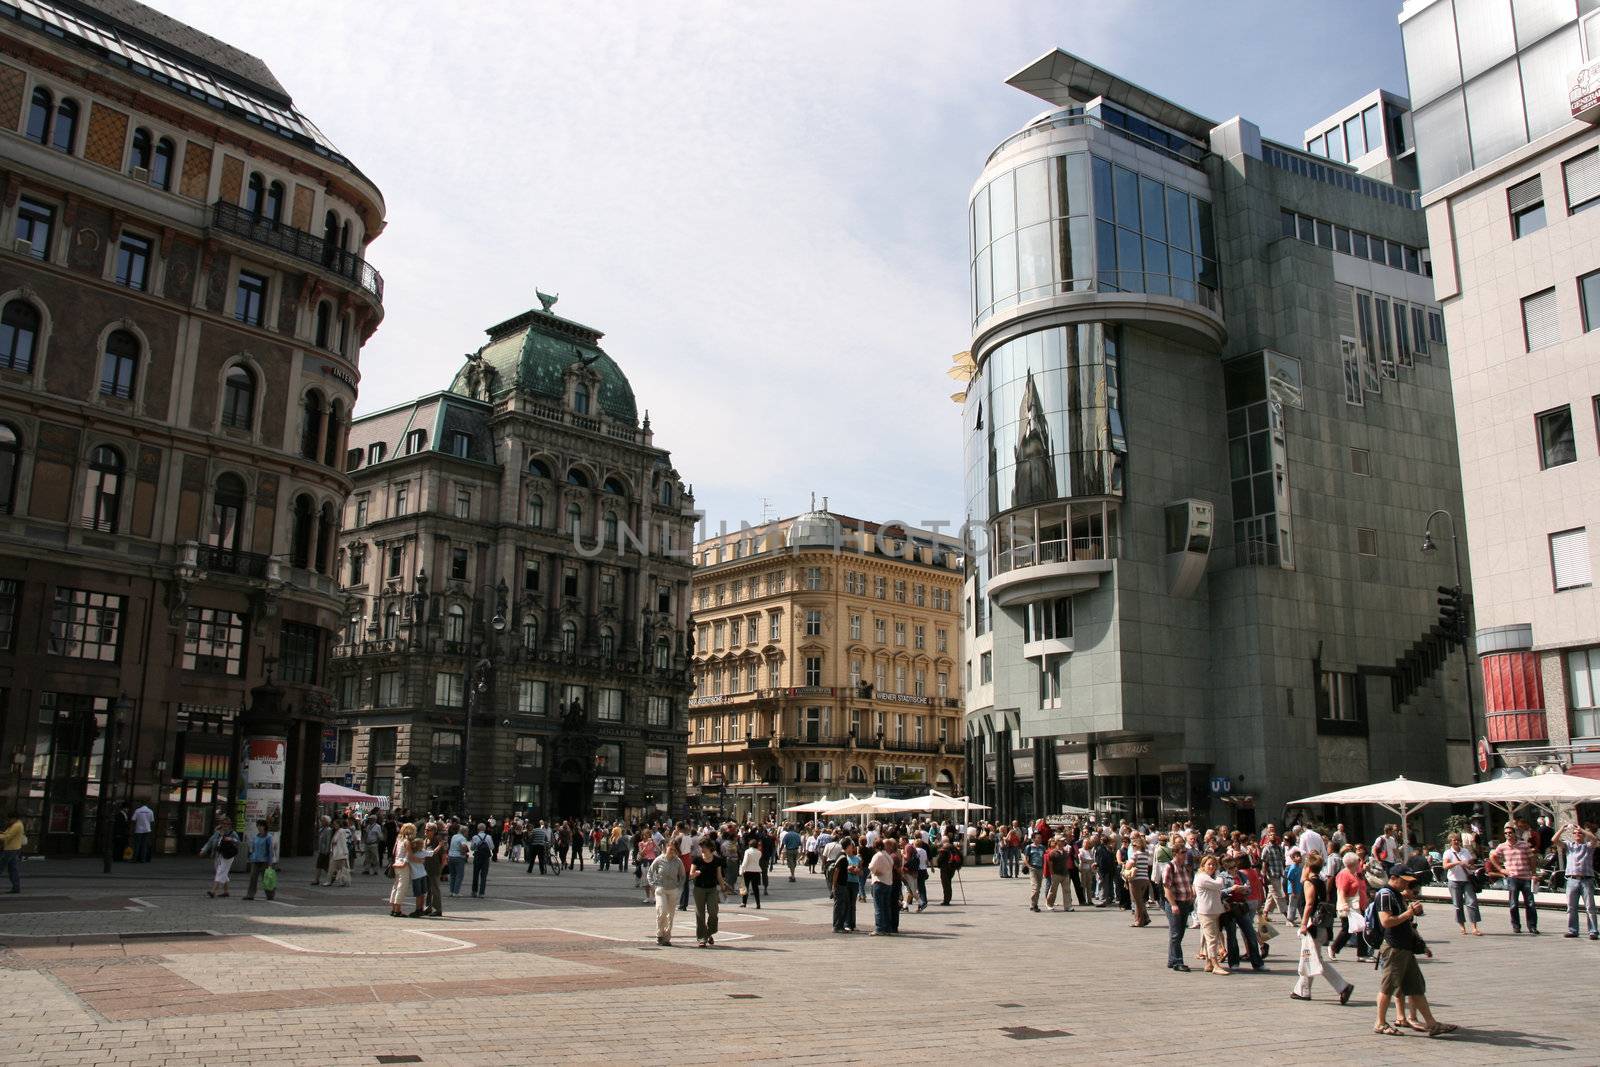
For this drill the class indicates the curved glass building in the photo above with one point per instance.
(1168, 382)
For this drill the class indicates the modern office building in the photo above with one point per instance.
(826, 663)
(182, 308)
(1207, 418)
(516, 555)
(1507, 96)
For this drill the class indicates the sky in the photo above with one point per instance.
(762, 206)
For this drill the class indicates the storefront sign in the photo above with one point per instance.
(1583, 93)
(261, 781)
(1126, 750)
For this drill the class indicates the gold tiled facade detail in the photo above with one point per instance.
(108, 131)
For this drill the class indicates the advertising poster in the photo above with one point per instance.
(261, 781)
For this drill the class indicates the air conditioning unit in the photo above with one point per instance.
(141, 174)
(22, 246)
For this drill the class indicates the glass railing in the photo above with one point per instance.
(1187, 153)
(1067, 550)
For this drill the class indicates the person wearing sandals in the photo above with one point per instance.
(222, 846)
(1316, 916)
(1402, 976)
(1459, 867)
(1208, 907)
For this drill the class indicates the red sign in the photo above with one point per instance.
(1483, 755)
(1583, 93)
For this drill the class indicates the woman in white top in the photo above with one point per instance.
(339, 855)
(1208, 907)
(810, 847)
(1459, 866)
(750, 871)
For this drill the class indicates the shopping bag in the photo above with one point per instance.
(1358, 922)
(269, 879)
(1310, 959)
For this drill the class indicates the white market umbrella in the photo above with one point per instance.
(865, 806)
(933, 801)
(334, 793)
(1401, 796)
(810, 808)
(1547, 791)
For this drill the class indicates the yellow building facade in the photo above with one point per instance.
(825, 664)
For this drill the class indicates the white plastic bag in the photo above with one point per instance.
(1358, 922)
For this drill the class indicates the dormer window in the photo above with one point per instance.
(460, 444)
(580, 399)
(416, 441)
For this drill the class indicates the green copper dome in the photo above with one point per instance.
(531, 354)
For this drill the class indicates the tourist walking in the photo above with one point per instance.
(324, 847)
(842, 888)
(1577, 844)
(1316, 916)
(1208, 908)
(949, 863)
(666, 878)
(880, 875)
(12, 840)
(1350, 902)
(457, 858)
(483, 854)
(709, 882)
(263, 856)
(433, 869)
(339, 854)
(400, 871)
(1033, 867)
(1460, 867)
(1402, 976)
(1178, 886)
(1138, 877)
(222, 846)
(750, 874)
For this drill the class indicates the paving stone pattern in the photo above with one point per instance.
(139, 967)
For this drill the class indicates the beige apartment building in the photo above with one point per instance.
(824, 664)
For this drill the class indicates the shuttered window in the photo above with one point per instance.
(1582, 175)
(1539, 320)
(1526, 201)
(1569, 558)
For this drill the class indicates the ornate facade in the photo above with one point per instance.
(516, 558)
(183, 300)
(825, 664)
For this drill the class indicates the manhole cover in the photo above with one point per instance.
(1028, 1033)
(171, 935)
(399, 1059)
(1008, 1005)
(744, 996)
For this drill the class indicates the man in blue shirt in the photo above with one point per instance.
(1033, 863)
(1578, 845)
(263, 854)
(791, 848)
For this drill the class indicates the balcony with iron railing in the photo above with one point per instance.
(1029, 571)
(307, 247)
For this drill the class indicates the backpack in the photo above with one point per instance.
(228, 847)
(480, 848)
(1374, 926)
(1013, 839)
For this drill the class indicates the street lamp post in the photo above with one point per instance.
(110, 762)
(1428, 545)
(482, 673)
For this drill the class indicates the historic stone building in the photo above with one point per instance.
(825, 664)
(183, 300)
(516, 556)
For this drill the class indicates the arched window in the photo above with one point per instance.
(416, 441)
(304, 519)
(40, 108)
(327, 524)
(575, 520)
(311, 424)
(102, 494)
(330, 239)
(391, 624)
(530, 634)
(455, 624)
(611, 528)
(255, 192)
(614, 487)
(580, 399)
(273, 209)
(139, 156)
(239, 398)
(118, 365)
(324, 332)
(161, 164)
(538, 469)
(227, 510)
(66, 128)
(330, 446)
(666, 493)
(577, 477)
(663, 653)
(536, 510)
(569, 638)
(10, 466)
(607, 643)
(19, 329)
(857, 775)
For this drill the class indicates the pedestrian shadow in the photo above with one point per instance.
(1511, 1039)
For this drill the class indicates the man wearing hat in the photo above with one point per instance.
(1402, 976)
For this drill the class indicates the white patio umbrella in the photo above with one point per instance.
(1401, 796)
(867, 805)
(809, 808)
(1546, 791)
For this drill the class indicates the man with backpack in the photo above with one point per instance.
(1402, 976)
(1010, 851)
(1058, 867)
(483, 854)
(949, 863)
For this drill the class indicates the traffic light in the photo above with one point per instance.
(1453, 614)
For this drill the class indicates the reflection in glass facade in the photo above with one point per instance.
(1151, 238)
(1045, 421)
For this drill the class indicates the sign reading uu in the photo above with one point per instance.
(1220, 786)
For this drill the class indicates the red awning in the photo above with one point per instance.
(1585, 770)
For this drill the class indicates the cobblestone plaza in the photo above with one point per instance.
(139, 967)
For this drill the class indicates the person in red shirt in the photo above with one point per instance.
(1350, 889)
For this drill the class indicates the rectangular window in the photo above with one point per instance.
(213, 641)
(382, 744)
(1589, 297)
(985, 668)
(813, 577)
(1048, 620)
(717, 630)
(880, 587)
(880, 630)
(1569, 558)
(388, 690)
(608, 705)
(1419, 331)
(361, 511)
(528, 752)
(298, 653)
(1582, 177)
(1361, 462)
(1583, 691)
(530, 576)
(250, 298)
(813, 670)
(813, 623)
(658, 711)
(774, 626)
(458, 564)
(900, 634)
(1338, 697)
(463, 505)
(772, 675)
(1341, 240)
(86, 625)
(570, 693)
(657, 763)
(919, 637)
(133, 262)
(1539, 325)
(397, 559)
(569, 582)
(900, 592)
(449, 689)
(1366, 541)
(942, 640)
(1436, 327)
(1385, 352)
(530, 697)
(1358, 244)
(1402, 338)
(402, 504)
(1525, 201)
(1370, 378)
(9, 589)
(1556, 443)
(1350, 357)
(35, 223)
